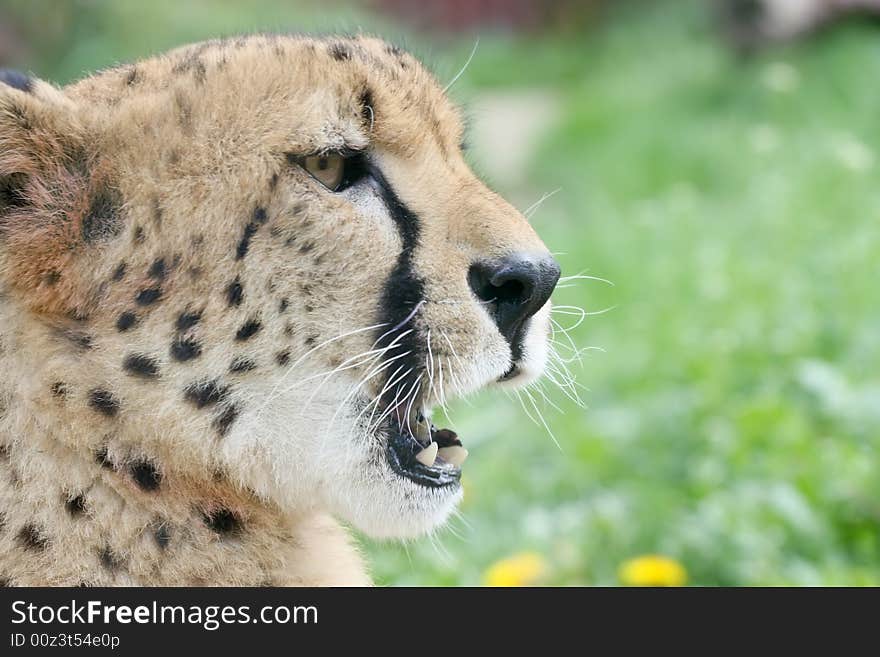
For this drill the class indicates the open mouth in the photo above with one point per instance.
(422, 453)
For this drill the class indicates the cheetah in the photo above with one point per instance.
(236, 278)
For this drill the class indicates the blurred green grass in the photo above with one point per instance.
(732, 419)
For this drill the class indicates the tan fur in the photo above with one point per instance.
(132, 192)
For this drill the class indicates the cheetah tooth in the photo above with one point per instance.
(428, 455)
(454, 454)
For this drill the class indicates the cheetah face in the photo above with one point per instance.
(285, 265)
(447, 321)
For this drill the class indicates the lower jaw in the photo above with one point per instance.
(406, 454)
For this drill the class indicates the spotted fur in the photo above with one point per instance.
(183, 306)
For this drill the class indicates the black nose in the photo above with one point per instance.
(513, 289)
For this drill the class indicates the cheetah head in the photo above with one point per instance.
(267, 257)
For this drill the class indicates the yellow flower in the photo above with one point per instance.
(652, 570)
(524, 569)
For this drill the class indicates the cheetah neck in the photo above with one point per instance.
(82, 505)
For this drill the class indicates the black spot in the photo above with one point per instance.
(126, 321)
(250, 229)
(133, 76)
(102, 458)
(138, 235)
(368, 113)
(186, 320)
(205, 393)
(148, 296)
(223, 521)
(234, 293)
(339, 51)
(162, 534)
(244, 243)
(141, 366)
(194, 64)
(242, 365)
(184, 349)
(76, 505)
(52, 277)
(248, 330)
(110, 560)
(283, 357)
(59, 389)
(79, 339)
(12, 191)
(104, 402)
(119, 272)
(77, 315)
(156, 205)
(310, 340)
(223, 421)
(145, 475)
(184, 110)
(273, 182)
(102, 221)
(283, 304)
(16, 80)
(305, 248)
(31, 538)
(22, 119)
(157, 269)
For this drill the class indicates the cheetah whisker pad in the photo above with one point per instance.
(236, 279)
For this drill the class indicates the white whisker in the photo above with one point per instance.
(463, 68)
(529, 211)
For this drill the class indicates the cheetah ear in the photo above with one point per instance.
(44, 193)
(37, 135)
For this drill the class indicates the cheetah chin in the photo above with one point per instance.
(235, 279)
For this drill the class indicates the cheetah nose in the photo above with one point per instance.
(513, 289)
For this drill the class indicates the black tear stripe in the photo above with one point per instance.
(404, 291)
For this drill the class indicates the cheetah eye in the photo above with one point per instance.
(336, 171)
(326, 169)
